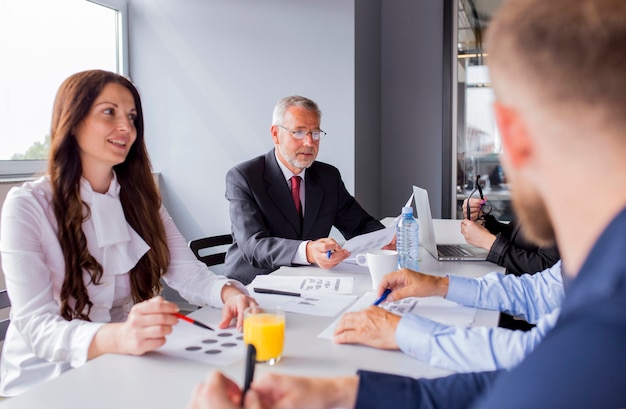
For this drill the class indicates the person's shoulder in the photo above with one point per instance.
(250, 164)
(32, 193)
(36, 188)
(323, 167)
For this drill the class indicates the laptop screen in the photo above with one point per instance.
(425, 220)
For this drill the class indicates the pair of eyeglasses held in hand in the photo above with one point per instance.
(484, 207)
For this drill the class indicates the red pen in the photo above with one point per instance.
(192, 321)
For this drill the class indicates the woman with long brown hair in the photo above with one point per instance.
(84, 247)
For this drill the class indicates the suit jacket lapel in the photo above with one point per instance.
(279, 192)
(314, 193)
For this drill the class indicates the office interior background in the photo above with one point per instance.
(401, 84)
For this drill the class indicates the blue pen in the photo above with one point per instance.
(383, 296)
(328, 253)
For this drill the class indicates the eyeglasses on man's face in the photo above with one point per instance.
(485, 208)
(300, 134)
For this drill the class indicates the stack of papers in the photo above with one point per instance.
(322, 296)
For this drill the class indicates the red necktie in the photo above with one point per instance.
(295, 193)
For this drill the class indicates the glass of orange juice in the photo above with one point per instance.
(265, 329)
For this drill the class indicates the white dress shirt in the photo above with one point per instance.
(300, 256)
(40, 344)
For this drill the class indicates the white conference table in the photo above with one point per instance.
(156, 381)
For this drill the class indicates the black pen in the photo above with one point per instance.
(250, 363)
(277, 292)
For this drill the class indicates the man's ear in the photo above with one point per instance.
(515, 139)
(274, 132)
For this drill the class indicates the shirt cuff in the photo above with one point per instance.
(215, 298)
(81, 341)
(300, 256)
(497, 249)
(462, 290)
(414, 336)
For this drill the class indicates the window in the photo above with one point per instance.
(42, 42)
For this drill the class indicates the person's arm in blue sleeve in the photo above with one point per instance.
(378, 390)
(468, 349)
(529, 296)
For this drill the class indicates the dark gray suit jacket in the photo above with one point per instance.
(265, 226)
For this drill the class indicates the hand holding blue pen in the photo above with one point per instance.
(383, 296)
(329, 253)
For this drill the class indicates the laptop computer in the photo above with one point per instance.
(441, 251)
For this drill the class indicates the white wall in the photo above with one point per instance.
(210, 72)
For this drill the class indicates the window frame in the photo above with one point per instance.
(10, 169)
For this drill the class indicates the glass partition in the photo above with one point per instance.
(477, 138)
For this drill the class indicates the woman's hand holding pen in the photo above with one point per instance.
(144, 330)
(408, 283)
(317, 252)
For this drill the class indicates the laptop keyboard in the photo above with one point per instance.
(450, 250)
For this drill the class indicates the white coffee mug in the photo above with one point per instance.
(380, 263)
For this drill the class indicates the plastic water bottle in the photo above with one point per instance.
(407, 240)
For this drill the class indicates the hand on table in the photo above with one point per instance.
(220, 392)
(317, 253)
(476, 234)
(235, 302)
(373, 326)
(408, 283)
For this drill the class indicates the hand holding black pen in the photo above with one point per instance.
(249, 375)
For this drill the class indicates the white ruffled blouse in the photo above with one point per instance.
(40, 344)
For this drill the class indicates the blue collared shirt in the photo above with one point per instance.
(536, 298)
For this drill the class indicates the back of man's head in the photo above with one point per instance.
(569, 55)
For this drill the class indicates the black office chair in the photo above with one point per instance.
(199, 247)
(214, 259)
(5, 303)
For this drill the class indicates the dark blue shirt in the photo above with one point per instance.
(580, 363)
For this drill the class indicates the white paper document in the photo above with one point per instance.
(306, 285)
(322, 296)
(221, 347)
(434, 308)
(370, 241)
(325, 305)
(373, 240)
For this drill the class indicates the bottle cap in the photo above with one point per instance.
(407, 210)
